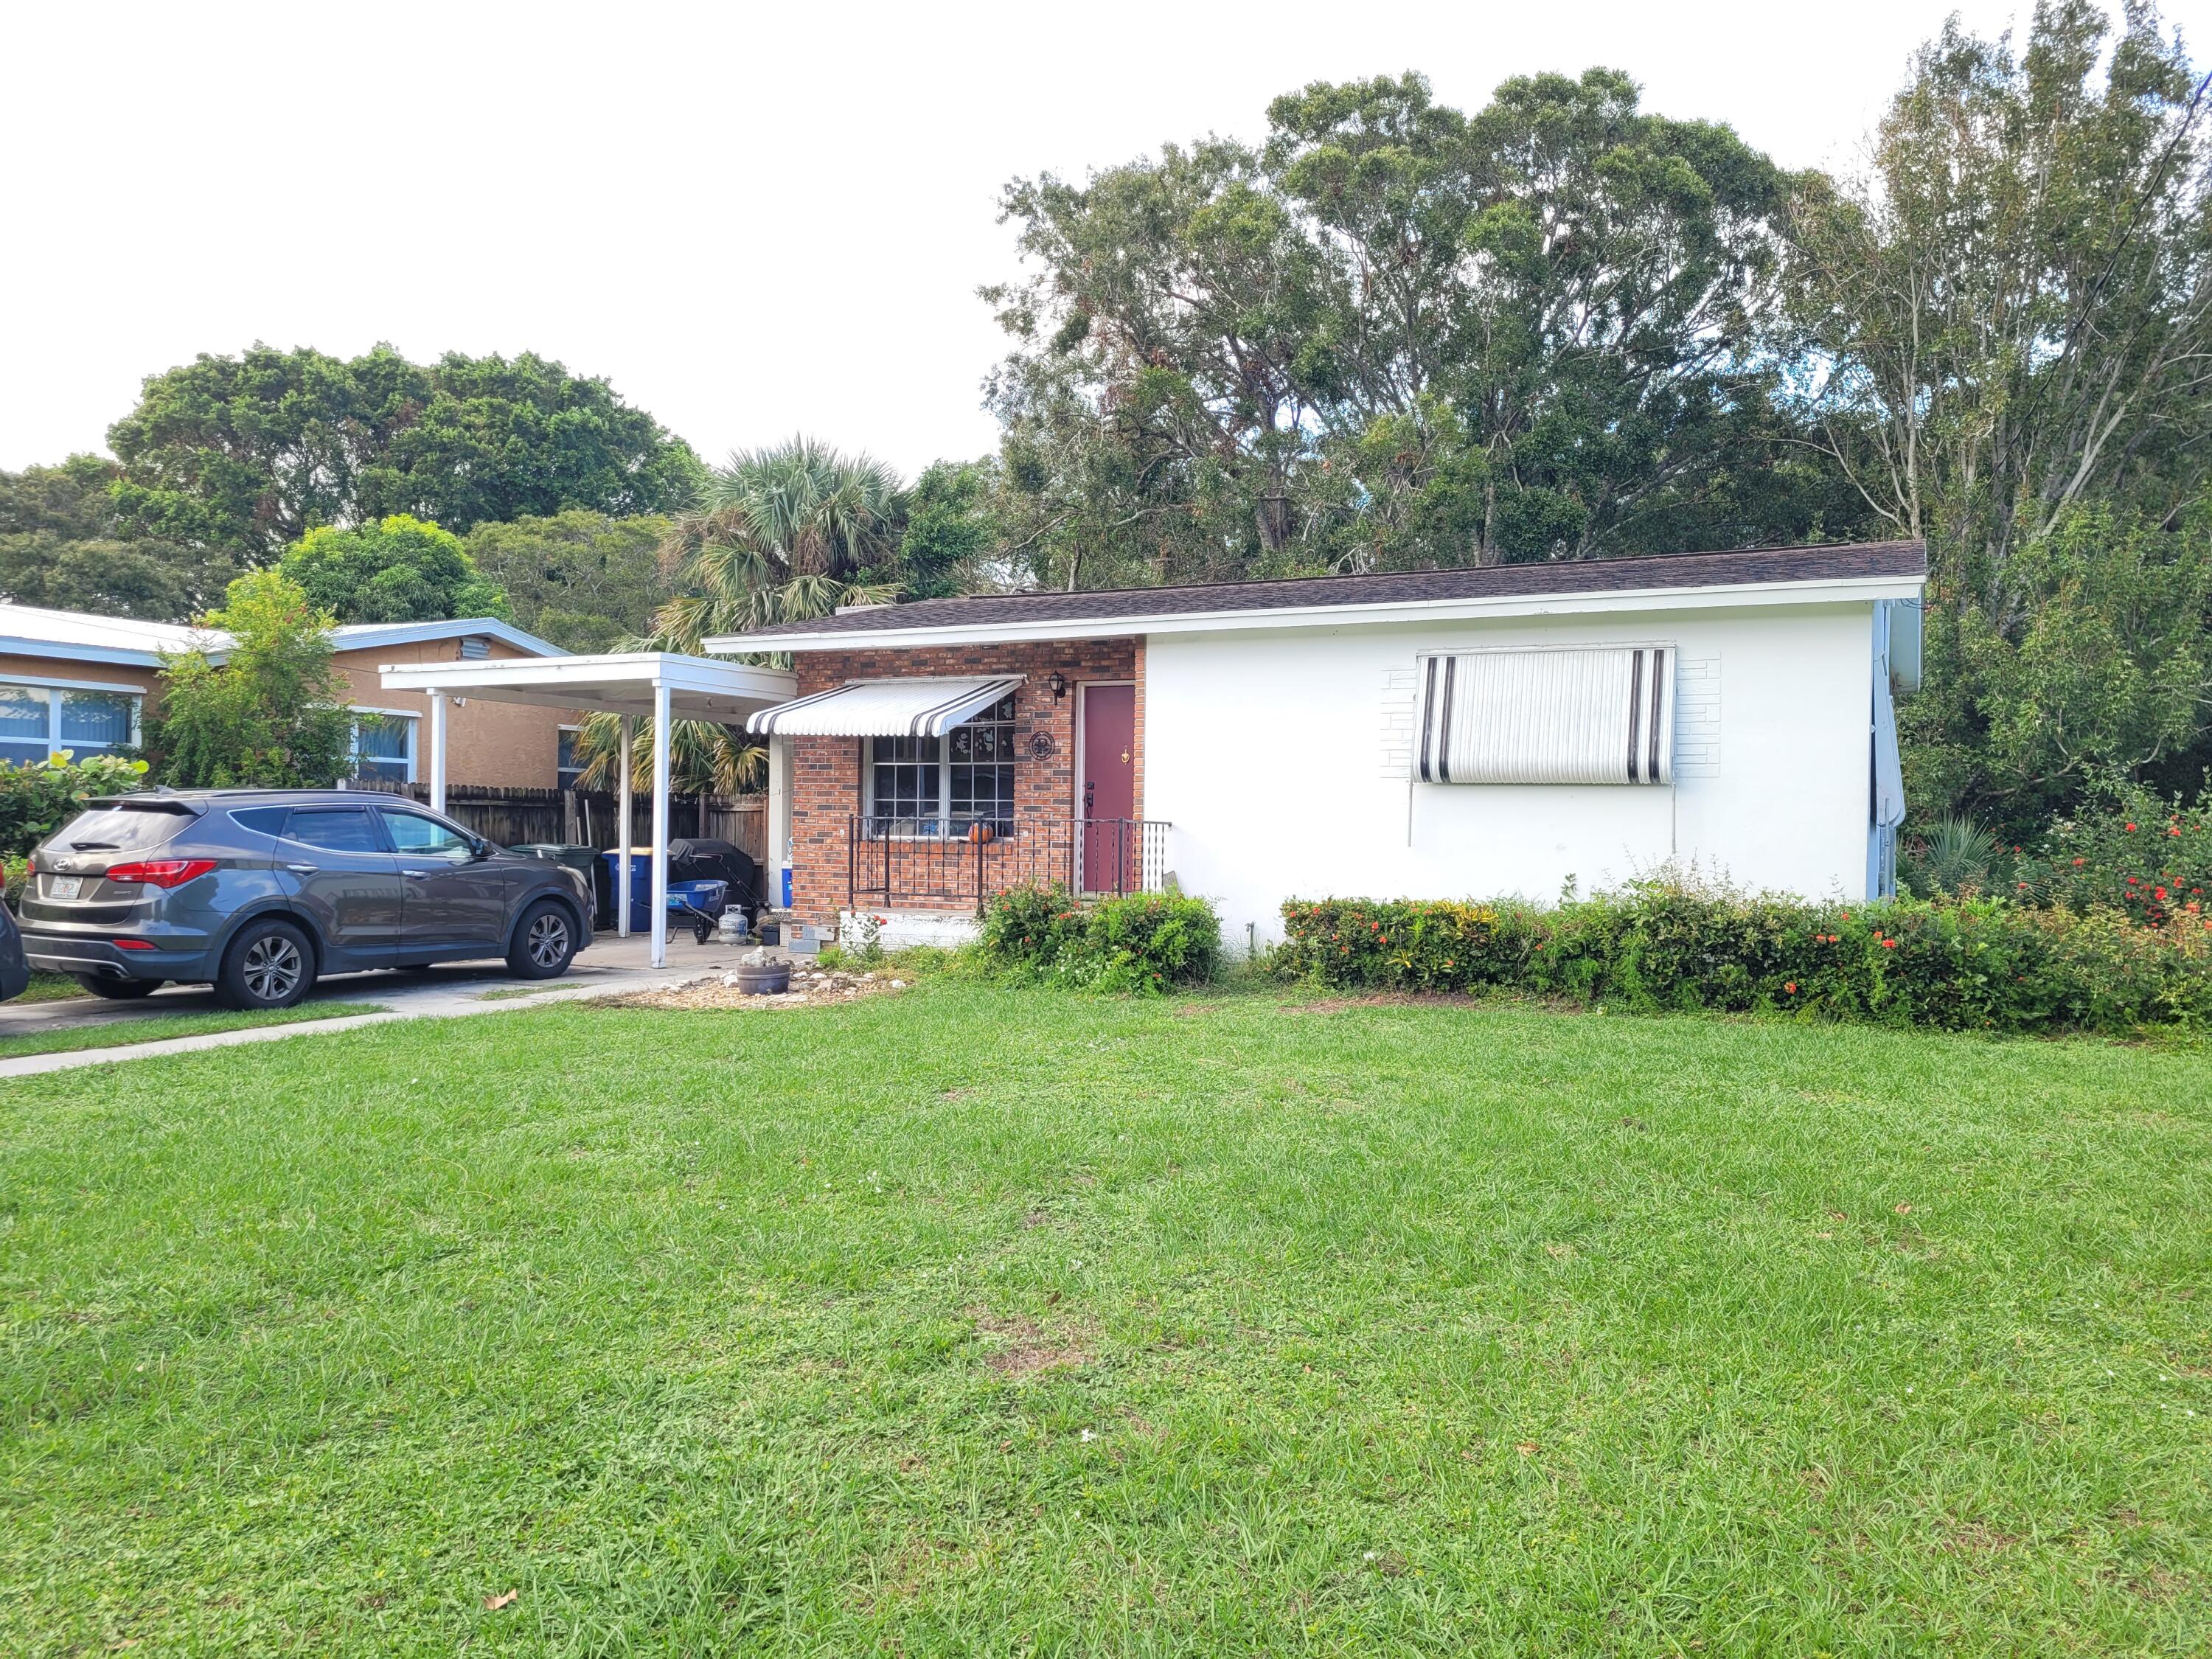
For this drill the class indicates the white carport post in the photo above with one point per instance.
(622, 833)
(660, 920)
(437, 751)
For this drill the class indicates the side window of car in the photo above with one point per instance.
(261, 820)
(333, 829)
(419, 837)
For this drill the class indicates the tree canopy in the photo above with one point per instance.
(60, 547)
(1395, 334)
(400, 569)
(249, 454)
(585, 580)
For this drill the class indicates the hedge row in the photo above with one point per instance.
(1143, 943)
(1969, 965)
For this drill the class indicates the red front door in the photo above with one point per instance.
(1110, 844)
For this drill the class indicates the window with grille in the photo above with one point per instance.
(946, 786)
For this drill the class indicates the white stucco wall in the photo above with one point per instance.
(1283, 760)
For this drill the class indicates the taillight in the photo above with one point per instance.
(161, 872)
(136, 945)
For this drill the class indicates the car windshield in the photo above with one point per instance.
(123, 827)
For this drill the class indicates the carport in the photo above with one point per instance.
(665, 685)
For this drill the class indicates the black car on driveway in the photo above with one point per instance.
(260, 891)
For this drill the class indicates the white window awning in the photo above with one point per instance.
(1585, 715)
(883, 708)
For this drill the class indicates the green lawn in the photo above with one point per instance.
(975, 1321)
(156, 1028)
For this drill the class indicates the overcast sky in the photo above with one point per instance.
(753, 219)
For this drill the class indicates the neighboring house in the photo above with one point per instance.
(1505, 731)
(69, 680)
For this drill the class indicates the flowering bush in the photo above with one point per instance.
(2149, 859)
(1983, 964)
(1143, 943)
(38, 797)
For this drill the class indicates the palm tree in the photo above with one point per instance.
(779, 535)
(782, 534)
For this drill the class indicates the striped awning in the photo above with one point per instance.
(883, 709)
(1600, 715)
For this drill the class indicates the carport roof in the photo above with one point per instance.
(618, 683)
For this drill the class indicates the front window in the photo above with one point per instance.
(384, 747)
(414, 835)
(946, 786)
(37, 721)
(568, 766)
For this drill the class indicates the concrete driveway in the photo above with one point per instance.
(610, 966)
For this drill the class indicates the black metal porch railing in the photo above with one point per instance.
(1119, 856)
(908, 862)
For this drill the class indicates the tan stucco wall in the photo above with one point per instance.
(511, 745)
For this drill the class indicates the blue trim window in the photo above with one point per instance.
(37, 721)
(384, 748)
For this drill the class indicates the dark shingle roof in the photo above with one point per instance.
(1841, 561)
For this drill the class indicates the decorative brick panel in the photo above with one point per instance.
(826, 780)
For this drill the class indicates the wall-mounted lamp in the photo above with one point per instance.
(1058, 682)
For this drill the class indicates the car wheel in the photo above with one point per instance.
(118, 990)
(268, 965)
(545, 941)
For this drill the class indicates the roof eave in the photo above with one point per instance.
(1823, 591)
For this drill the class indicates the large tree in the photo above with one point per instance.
(2011, 314)
(61, 547)
(248, 454)
(586, 581)
(1397, 334)
(2003, 336)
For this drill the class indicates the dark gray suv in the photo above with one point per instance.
(258, 891)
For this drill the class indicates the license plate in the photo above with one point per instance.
(66, 887)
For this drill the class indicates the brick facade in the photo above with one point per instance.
(826, 773)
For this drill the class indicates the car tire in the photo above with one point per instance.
(270, 964)
(118, 990)
(545, 942)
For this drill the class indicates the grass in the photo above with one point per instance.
(50, 987)
(123, 1032)
(975, 1321)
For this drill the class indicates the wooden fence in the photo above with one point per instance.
(585, 817)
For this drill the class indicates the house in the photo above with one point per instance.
(69, 680)
(1513, 730)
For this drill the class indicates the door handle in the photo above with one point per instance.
(303, 869)
(418, 873)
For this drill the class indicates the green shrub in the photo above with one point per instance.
(1142, 942)
(2149, 858)
(1982, 964)
(37, 798)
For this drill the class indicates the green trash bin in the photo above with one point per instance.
(586, 858)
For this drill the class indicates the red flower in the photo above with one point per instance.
(2159, 892)
(2131, 829)
(1889, 945)
(1791, 986)
(2077, 864)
